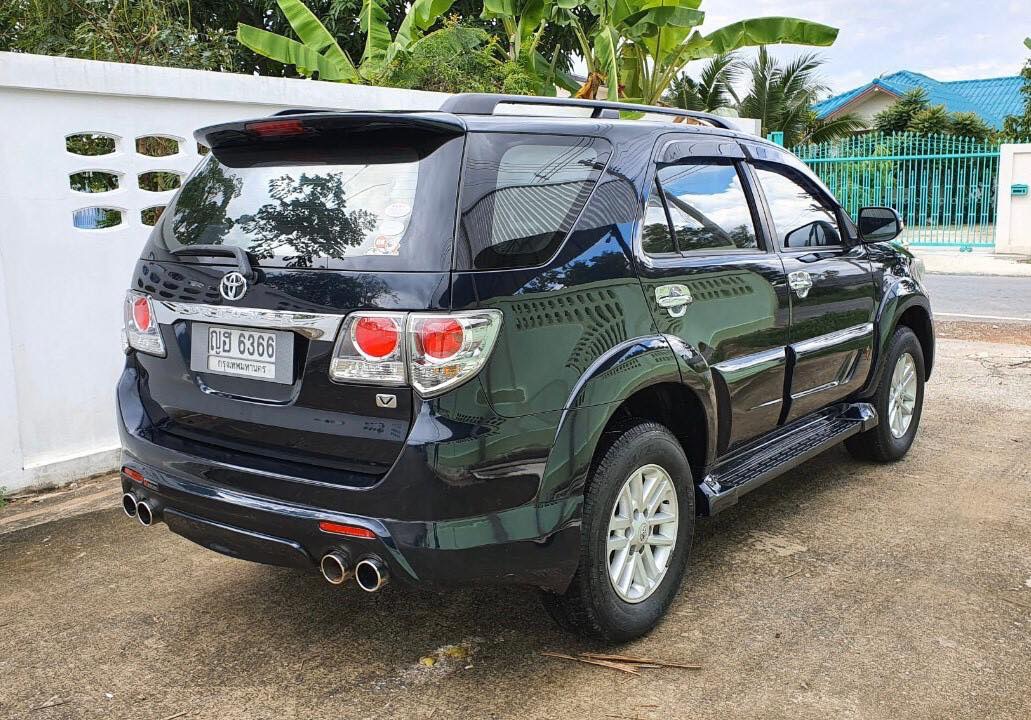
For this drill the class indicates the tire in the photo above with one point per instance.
(883, 443)
(592, 605)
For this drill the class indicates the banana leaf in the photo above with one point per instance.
(769, 31)
(606, 51)
(290, 52)
(421, 16)
(373, 22)
(313, 33)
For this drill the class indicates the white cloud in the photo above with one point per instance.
(946, 40)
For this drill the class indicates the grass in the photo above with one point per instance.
(3, 497)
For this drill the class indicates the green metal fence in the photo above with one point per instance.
(944, 187)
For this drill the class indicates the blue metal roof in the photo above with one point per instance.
(992, 98)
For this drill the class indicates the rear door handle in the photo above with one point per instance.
(801, 282)
(674, 298)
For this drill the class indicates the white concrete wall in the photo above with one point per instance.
(1013, 227)
(61, 288)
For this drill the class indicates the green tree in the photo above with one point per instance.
(1019, 126)
(459, 59)
(782, 96)
(148, 32)
(930, 121)
(714, 89)
(897, 117)
(969, 125)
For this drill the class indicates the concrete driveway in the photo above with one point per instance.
(844, 590)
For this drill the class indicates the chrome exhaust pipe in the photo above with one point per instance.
(336, 568)
(144, 513)
(372, 574)
(129, 504)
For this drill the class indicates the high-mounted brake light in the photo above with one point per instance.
(440, 351)
(141, 327)
(275, 128)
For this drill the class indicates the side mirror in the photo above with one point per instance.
(879, 224)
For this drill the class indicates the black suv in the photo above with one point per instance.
(468, 347)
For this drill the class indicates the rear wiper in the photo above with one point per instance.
(243, 258)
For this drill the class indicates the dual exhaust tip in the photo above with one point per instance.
(139, 509)
(370, 573)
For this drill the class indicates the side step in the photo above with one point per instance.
(759, 462)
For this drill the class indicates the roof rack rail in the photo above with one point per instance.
(485, 103)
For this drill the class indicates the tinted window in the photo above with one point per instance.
(708, 207)
(656, 238)
(347, 202)
(801, 216)
(521, 195)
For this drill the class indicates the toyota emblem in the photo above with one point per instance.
(233, 286)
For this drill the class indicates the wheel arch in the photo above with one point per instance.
(639, 379)
(904, 304)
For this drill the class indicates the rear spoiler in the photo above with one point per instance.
(299, 124)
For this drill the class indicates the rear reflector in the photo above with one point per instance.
(132, 474)
(346, 530)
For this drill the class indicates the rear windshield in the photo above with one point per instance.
(521, 195)
(357, 201)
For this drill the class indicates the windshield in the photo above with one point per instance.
(320, 207)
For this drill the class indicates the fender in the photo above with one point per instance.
(903, 294)
(625, 369)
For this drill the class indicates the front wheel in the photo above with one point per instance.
(638, 526)
(899, 400)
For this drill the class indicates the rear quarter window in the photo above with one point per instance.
(521, 195)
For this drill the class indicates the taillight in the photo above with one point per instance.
(369, 349)
(446, 350)
(377, 337)
(440, 352)
(141, 327)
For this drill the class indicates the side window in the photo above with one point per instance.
(708, 207)
(656, 237)
(802, 218)
(521, 195)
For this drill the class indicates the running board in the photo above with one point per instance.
(759, 462)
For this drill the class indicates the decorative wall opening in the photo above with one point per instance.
(91, 144)
(157, 145)
(93, 181)
(203, 149)
(151, 215)
(159, 181)
(96, 218)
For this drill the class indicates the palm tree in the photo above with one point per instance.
(714, 89)
(782, 96)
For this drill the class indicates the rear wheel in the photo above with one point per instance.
(638, 525)
(899, 401)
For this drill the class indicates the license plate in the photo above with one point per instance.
(242, 352)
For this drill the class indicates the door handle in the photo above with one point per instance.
(801, 282)
(674, 298)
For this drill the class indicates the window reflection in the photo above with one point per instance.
(800, 217)
(708, 207)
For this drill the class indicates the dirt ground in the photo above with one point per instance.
(844, 590)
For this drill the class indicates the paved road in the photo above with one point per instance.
(987, 297)
(847, 590)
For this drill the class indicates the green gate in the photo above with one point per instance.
(945, 188)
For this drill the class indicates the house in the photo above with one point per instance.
(992, 98)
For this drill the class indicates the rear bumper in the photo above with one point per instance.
(220, 504)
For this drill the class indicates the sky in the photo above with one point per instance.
(945, 39)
